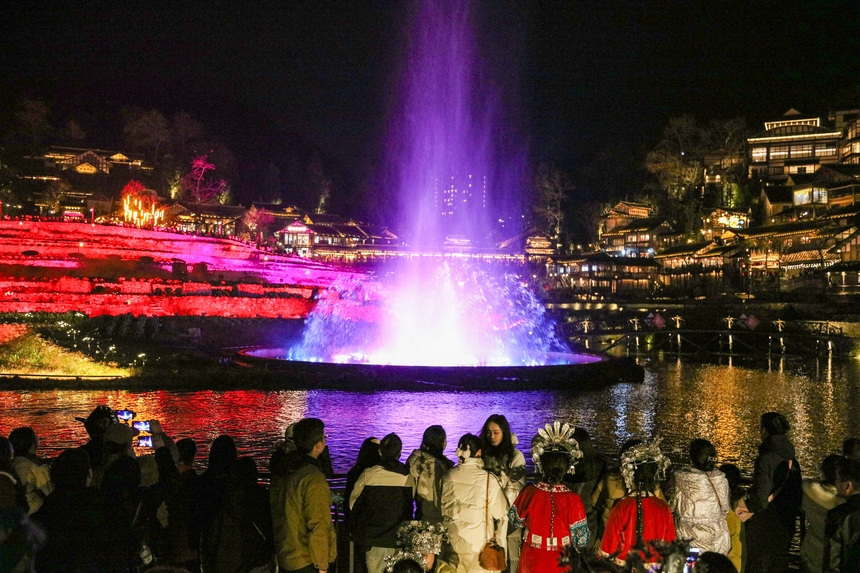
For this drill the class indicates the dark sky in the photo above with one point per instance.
(592, 76)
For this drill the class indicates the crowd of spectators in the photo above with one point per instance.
(101, 507)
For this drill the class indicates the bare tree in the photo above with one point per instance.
(552, 187)
(184, 130)
(32, 120)
(74, 132)
(146, 130)
(678, 161)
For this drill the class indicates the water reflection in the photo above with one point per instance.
(678, 401)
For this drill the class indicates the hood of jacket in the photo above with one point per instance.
(294, 461)
(779, 445)
(821, 494)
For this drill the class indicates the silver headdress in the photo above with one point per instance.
(648, 452)
(415, 540)
(555, 437)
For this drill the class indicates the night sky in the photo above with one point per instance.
(590, 77)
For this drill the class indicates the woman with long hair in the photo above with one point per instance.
(427, 465)
(553, 517)
(640, 517)
(701, 500)
(502, 459)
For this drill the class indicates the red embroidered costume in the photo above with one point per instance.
(620, 534)
(553, 517)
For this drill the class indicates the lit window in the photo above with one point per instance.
(801, 150)
(759, 154)
(779, 152)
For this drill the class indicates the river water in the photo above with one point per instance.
(678, 401)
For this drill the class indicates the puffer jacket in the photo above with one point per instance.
(818, 499)
(427, 470)
(468, 497)
(36, 479)
(700, 502)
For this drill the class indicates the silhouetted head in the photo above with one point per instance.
(828, 469)
(187, 451)
(71, 469)
(703, 455)
(222, 454)
(307, 433)
(434, 441)
(24, 441)
(774, 423)
(390, 448)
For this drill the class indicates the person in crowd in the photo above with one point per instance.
(851, 448)
(712, 562)
(773, 500)
(73, 517)
(553, 517)
(701, 500)
(472, 502)
(733, 477)
(819, 497)
(368, 456)
(12, 491)
(208, 495)
(842, 527)
(20, 539)
(419, 542)
(187, 449)
(242, 540)
(640, 517)
(178, 546)
(117, 441)
(95, 424)
(381, 500)
(427, 465)
(583, 482)
(301, 504)
(611, 489)
(33, 472)
(125, 542)
(501, 458)
(158, 501)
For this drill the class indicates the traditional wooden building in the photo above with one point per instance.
(599, 273)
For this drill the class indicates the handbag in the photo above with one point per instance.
(492, 556)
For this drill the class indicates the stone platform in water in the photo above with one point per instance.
(596, 372)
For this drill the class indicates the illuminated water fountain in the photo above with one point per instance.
(457, 167)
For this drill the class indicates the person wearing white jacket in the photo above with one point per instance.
(472, 500)
(700, 501)
(503, 459)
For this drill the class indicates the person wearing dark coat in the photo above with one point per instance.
(368, 456)
(589, 471)
(208, 496)
(74, 518)
(381, 501)
(774, 499)
(842, 527)
(241, 539)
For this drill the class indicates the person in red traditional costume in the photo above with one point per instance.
(553, 516)
(640, 517)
